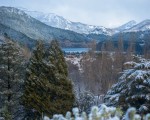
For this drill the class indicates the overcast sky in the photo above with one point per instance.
(108, 13)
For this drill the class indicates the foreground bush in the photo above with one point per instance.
(133, 87)
(102, 113)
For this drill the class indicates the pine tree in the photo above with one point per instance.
(11, 79)
(35, 84)
(133, 88)
(57, 58)
(63, 97)
(60, 89)
(47, 89)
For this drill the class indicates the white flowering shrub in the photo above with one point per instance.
(101, 113)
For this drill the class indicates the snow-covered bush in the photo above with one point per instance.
(131, 114)
(85, 100)
(102, 113)
(133, 88)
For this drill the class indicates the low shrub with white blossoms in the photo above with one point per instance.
(101, 113)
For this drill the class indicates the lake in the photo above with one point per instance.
(75, 50)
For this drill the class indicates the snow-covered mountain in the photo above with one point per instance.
(57, 21)
(17, 23)
(54, 20)
(125, 26)
(142, 26)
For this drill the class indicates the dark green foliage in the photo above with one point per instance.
(11, 79)
(47, 89)
(133, 89)
(35, 85)
(63, 94)
(55, 55)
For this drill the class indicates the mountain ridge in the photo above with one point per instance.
(126, 26)
(57, 21)
(142, 26)
(20, 21)
(27, 29)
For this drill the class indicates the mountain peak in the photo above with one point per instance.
(19, 21)
(126, 26)
(131, 21)
(57, 21)
(142, 26)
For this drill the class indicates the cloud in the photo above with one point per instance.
(109, 13)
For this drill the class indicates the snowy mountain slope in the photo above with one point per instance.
(54, 20)
(57, 21)
(142, 26)
(13, 21)
(126, 26)
(18, 20)
(15, 35)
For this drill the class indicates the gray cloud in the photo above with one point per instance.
(109, 13)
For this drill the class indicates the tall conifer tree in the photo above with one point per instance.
(11, 79)
(47, 89)
(35, 85)
(55, 55)
(63, 94)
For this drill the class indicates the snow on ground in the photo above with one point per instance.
(75, 60)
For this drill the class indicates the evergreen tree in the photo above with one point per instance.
(35, 85)
(60, 90)
(57, 58)
(11, 79)
(62, 93)
(47, 89)
(133, 88)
